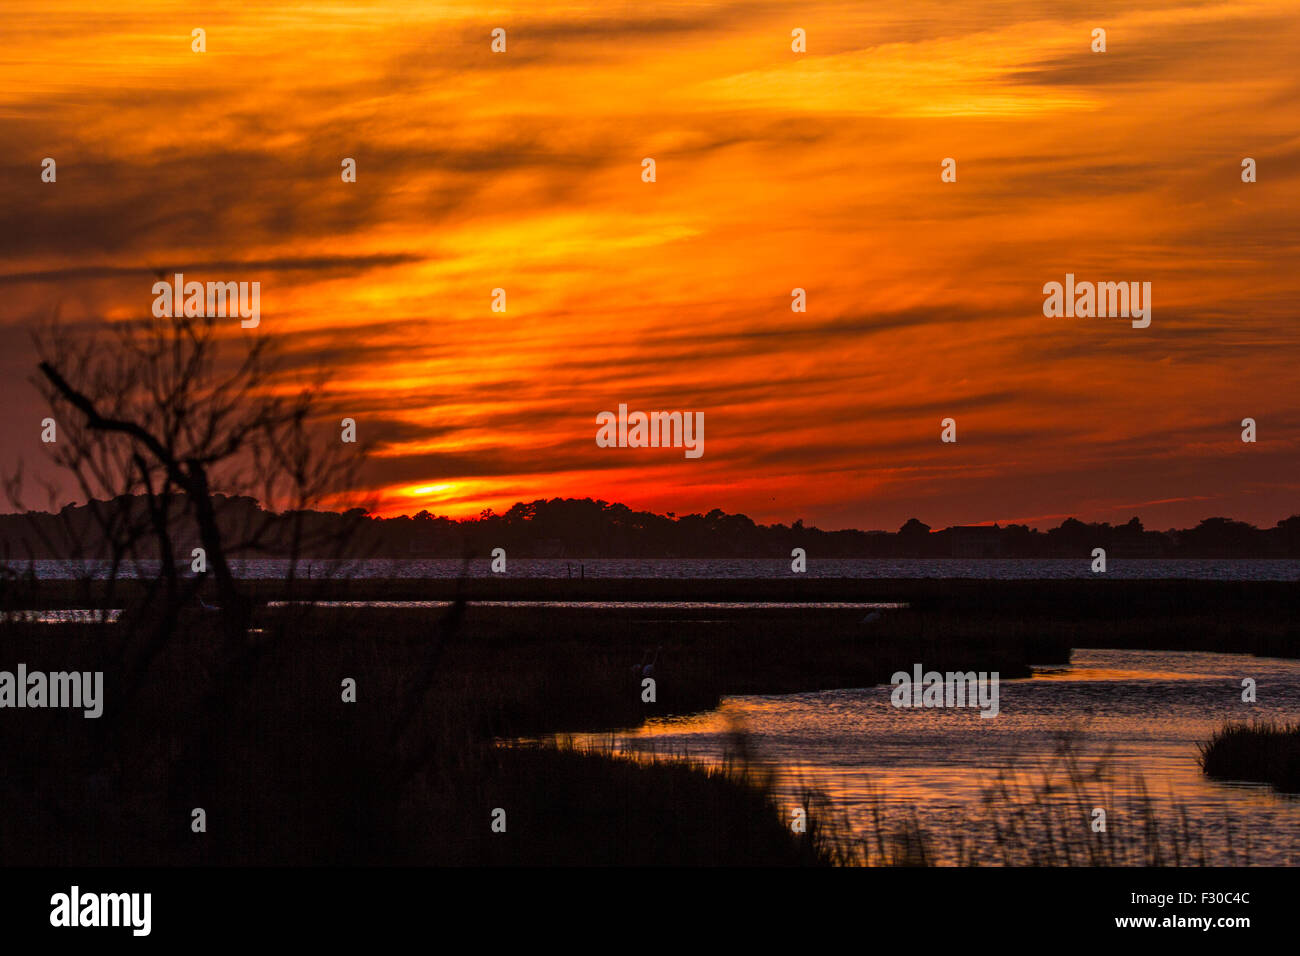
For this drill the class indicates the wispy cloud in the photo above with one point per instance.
(819, 171)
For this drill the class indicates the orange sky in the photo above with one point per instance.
(775, 170)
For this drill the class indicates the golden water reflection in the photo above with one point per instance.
(1131, 721)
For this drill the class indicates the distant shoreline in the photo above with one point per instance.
(706, 569)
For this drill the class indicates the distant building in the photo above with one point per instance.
(975, 541)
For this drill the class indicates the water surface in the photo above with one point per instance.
(1146, 709)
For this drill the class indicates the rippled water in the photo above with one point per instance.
(64, 616)
(1148, 709)
(866, 568)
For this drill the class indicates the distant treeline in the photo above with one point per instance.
(571, 527)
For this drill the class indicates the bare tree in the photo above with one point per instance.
(172, 412)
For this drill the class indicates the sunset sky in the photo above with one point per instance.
(775, 170)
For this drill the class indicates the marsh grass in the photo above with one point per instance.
(288, 774)
(1263, 752)
(1038, 816)
(410, 773)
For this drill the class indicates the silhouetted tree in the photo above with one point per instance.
(200, 428)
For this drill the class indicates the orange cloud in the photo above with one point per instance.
(775, 171)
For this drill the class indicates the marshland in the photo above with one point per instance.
(474, 695)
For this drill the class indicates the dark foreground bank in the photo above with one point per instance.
(328, 739)
(360, 735)
(348, 735)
